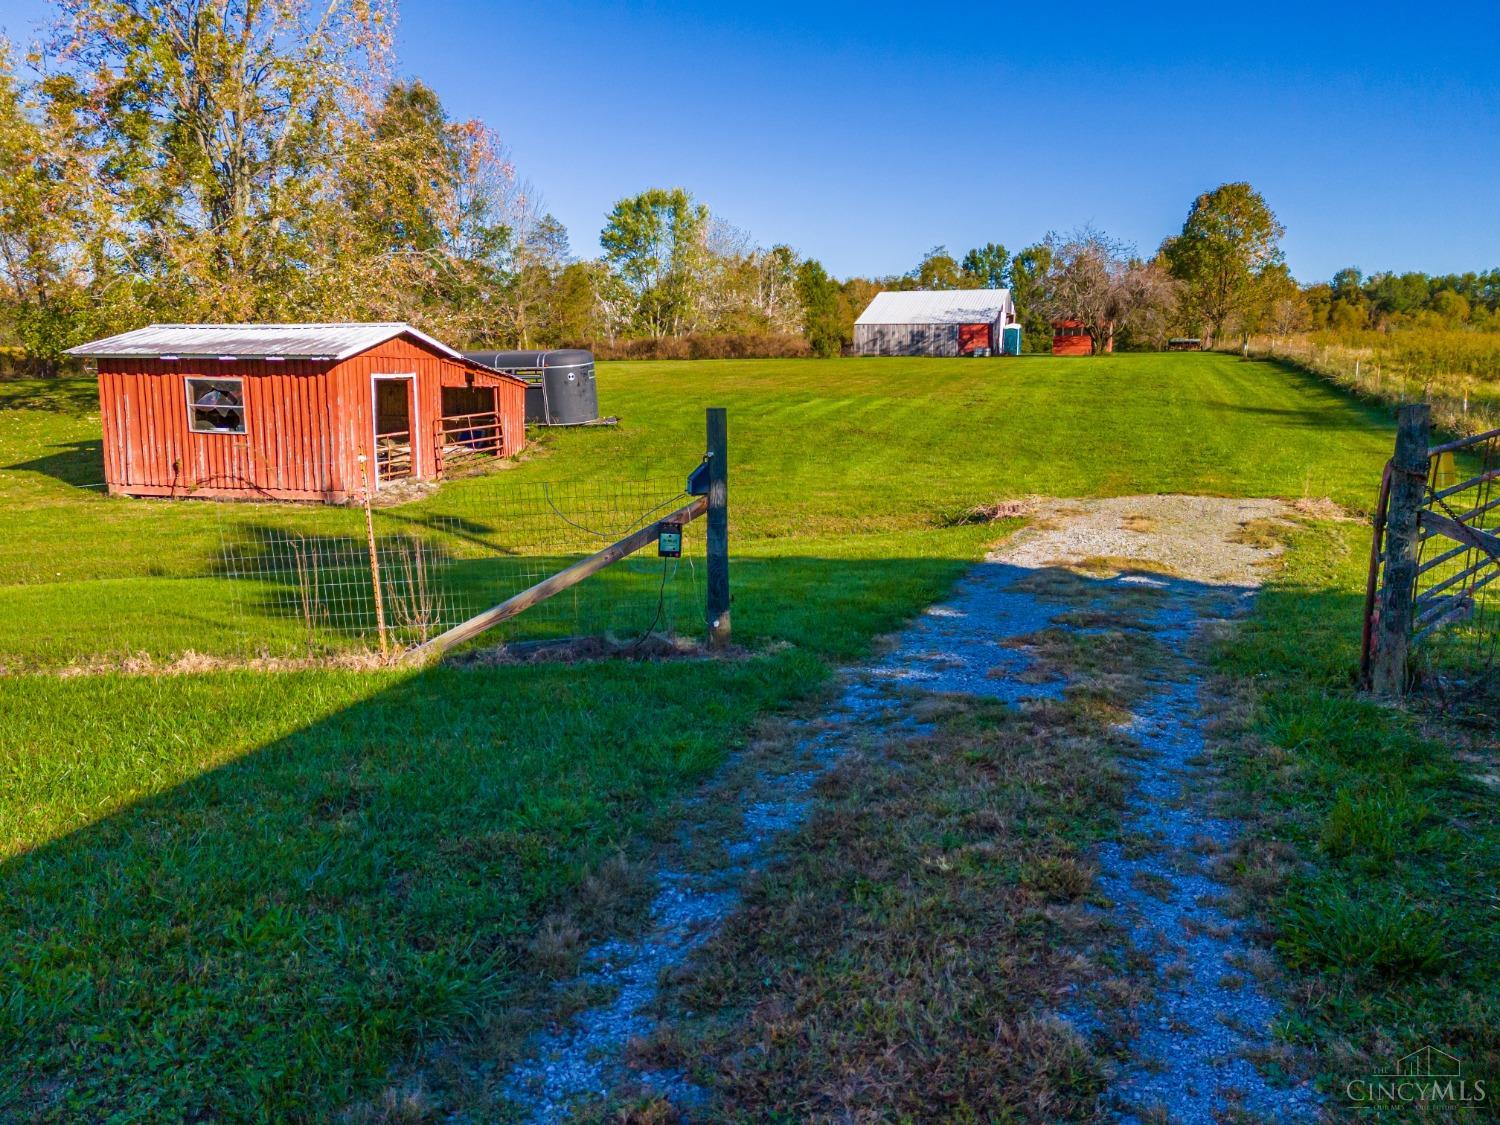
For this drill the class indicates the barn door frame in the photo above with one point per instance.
(412, 421)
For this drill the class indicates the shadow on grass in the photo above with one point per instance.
(1346, 409)
(273, 932)
(311, 871)
(63, 394)
(79, 463)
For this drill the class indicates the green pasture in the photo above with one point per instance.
(240, 893)
(825, 456)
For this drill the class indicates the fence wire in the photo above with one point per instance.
(1457, 597)
(305, 583)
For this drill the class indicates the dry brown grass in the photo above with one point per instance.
(1323, 508)
(398, 1105)
(1262, 534)
(1138, 522)
(1157, 886)
(192, 663)
(896, 963)
(997, 510)
(1103, 620)
(1097, 565)
(1106, 667)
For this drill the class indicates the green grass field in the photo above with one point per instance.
(240, 889)
(824, 456)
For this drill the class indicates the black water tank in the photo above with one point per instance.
(560, 387)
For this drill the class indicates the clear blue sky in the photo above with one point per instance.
(862, 134)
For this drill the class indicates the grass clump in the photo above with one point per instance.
(1262, 534)
(1379, 825)
(1325, 927)
(1091, 662)
(1108, 565)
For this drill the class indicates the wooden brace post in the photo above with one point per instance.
(562, 580)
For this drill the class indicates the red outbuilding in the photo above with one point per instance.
(1071, 337)
(287, 411)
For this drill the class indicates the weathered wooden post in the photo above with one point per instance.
(1398, 584)
(374, 559)
(718, 528)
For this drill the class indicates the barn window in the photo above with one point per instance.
(216, 406)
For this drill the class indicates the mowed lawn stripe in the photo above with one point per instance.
(905, 437)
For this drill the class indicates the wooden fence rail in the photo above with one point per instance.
(459, 438)
(714, 503)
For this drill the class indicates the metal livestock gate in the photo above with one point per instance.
(1433, 557)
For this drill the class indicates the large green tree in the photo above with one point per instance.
(48, 214)
(987, 266)
(216, 129)
(938, 269)
(1402, 294)
(822, 314)
(655, 240)
(1230, 237)
(435, 229)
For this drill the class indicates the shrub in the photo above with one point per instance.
(704, 346)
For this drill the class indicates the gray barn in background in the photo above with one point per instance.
(944, 322)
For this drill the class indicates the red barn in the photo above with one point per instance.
(286, 411)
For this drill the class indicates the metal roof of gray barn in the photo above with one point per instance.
(943, 306)
(252, 341)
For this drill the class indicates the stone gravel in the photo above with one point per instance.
(1189, 1058)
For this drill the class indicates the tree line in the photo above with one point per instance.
(255, 160)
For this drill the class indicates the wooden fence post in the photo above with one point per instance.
(374, 560)
(1399, 580)
(718, 528)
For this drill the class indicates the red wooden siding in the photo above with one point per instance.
(1070, 337)
(306, 423)
(971, 336)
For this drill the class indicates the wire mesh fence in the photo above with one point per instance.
(1456, 604)
(316, 584)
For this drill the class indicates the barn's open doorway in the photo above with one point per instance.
(460, 402)
(393, 406)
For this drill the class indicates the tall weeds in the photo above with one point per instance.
(1457, 372)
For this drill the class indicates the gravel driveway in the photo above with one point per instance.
(1203, 558)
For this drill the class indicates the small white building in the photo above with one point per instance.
(941, 322)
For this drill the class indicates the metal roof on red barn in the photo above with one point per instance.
(328, 342)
